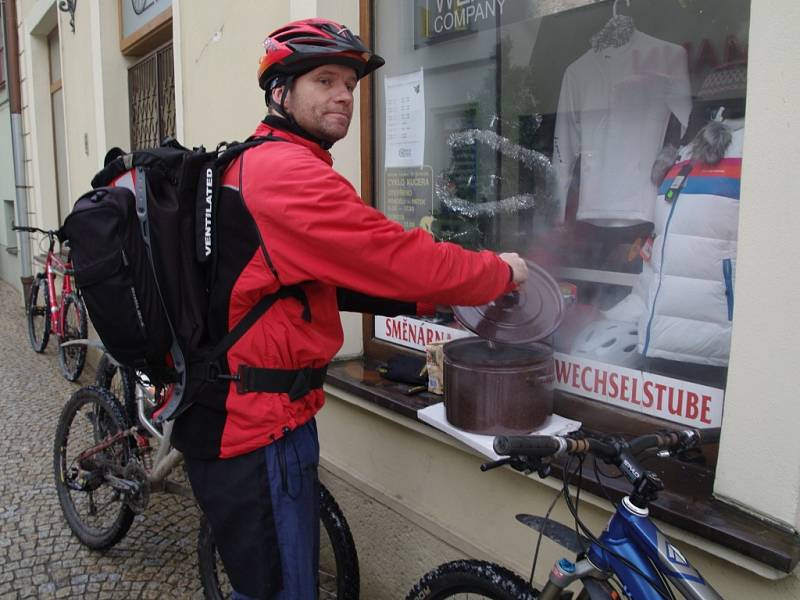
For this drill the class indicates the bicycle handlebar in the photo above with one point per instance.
(538, 446)
(47, 232)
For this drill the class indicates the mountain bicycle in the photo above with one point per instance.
(105, 472)
(630, 559)
(47, 313)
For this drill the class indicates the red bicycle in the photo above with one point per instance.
(65, 316)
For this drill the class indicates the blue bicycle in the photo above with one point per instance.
(630, 559)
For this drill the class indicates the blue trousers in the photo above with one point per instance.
(263, 509)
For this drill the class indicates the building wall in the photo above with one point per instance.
(219, 47)
(9, 264)
(434, 502)
(414, 498)
(37, 20)
(110, 69)
(758, 458)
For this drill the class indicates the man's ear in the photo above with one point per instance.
(276, 94)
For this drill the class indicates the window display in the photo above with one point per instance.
(603, 141)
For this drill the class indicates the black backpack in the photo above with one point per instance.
(142, 245)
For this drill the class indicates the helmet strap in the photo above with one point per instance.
(280, 108)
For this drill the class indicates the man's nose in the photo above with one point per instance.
(343, 94)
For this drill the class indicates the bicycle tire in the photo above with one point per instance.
(38, 315)
(340, 581)
(105, 417)
(120, 381)
(72, 358)
(473, 577)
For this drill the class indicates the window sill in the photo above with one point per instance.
(688, 505)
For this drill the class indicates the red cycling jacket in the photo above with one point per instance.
(285, 217)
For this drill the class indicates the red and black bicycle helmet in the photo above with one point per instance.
(300, 46)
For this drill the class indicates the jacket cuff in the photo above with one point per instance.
(510, 286)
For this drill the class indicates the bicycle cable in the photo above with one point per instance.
(579, 471)
(597, 473)
(541, 533)
(587, 532)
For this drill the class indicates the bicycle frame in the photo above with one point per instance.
(166, 458)
(54, 264)
(632, 536)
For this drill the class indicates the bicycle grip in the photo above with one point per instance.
(526, 445)
(708, 436)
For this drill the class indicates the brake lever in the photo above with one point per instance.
(691, 455)
(495, 463)
(524, 465)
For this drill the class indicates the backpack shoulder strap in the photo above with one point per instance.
(234, 149)
(261, 307)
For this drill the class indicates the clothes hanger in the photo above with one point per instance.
(616, 32)
(614, 7)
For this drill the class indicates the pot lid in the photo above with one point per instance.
(527, 315)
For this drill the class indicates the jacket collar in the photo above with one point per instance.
(281, 128)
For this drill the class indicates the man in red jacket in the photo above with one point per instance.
(292, 229)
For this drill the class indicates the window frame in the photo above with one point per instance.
(2, 60)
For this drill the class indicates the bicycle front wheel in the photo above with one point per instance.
(338, 560)
(120, 381)
(471, 579)
(88, 457)
(73, 358)
(38, 314)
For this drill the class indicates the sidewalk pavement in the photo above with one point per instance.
(39, 556)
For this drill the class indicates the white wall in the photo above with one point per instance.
(81, 96)
(110, 69)
(759, 463)
(219, 46)
(38, 19)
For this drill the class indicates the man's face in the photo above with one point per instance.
(321, 101)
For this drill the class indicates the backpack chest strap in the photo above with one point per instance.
(295, 382)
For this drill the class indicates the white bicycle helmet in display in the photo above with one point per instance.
(612, 342)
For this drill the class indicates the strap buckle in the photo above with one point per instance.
(212, 372)
(301, 384)
(297, 383)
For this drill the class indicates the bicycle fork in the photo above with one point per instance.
(565, 572)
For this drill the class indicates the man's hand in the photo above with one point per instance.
(518, 266)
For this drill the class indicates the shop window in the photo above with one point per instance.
(605, 148)
(151, 90)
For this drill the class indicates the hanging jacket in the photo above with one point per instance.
(286, 218)
(689, 300)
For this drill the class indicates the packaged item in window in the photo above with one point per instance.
(434, 357)
(405, 369)
(569, 291)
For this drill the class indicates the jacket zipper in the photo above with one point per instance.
(660, 275)
(727, 274)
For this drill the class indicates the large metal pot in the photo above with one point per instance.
(497, 389)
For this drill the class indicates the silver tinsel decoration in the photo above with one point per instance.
(530, 159)
(472, 210)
